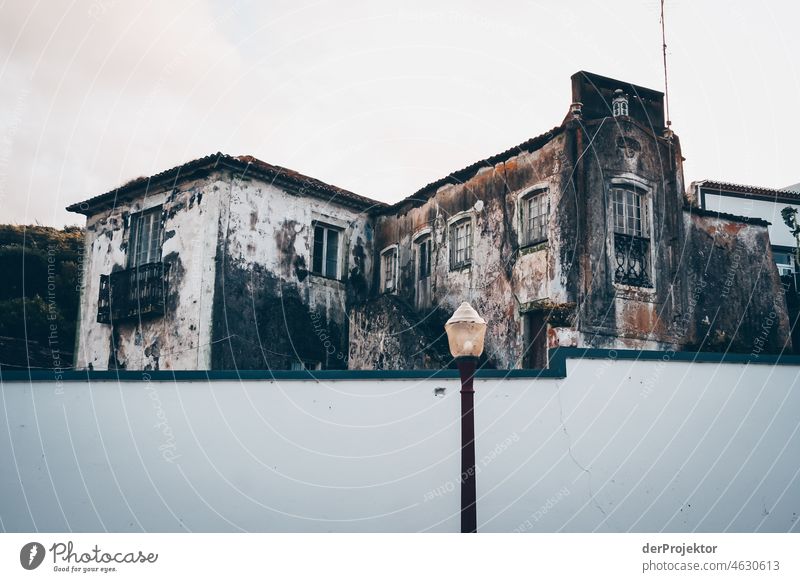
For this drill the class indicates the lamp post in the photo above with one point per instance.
(465, 333)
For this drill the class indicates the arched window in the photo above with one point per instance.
(535, 212)
(630, 212)
(423, 250)
(389, 270)
(619, 105)
(461, 243)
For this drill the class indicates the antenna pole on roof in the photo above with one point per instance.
(664, 51)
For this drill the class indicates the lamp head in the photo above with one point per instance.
(465, 332)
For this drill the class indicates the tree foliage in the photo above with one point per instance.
(789, 216)
(40, 270)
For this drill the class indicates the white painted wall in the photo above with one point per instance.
(616, 446)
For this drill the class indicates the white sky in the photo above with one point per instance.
(377, 97)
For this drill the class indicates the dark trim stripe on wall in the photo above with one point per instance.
(557, 369)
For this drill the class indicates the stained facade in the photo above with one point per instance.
(225, 262)
(583, 236)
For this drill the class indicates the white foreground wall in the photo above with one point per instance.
(615, 446)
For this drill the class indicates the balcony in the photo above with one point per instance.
(631, 254)
(132, 293)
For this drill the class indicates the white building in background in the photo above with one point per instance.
(755, 202)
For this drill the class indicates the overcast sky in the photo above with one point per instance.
(376, 97)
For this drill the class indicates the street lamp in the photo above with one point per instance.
(465, 333)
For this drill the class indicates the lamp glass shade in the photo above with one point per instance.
(465, 332)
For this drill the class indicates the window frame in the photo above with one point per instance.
(791, 265)
(633, 203)
(391, 250)
(620, 107)
(628, 233)
(460, 220)
(302, 365)
(423, 238)
(539, 191)
(327, 228)
(135, 223)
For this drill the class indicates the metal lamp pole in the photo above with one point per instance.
(469, 518)
(465, 334)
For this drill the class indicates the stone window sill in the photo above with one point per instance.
(465, 266)
(320, 279)
(533, 247)
(635, 293)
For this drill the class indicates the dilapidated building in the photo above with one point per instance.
(583, 236)
(224, 262)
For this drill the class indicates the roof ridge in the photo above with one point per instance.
(212, 161)
(744, 188)
(467, 172)
(725, 215)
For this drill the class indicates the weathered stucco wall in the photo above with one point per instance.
(502, 278)
(612, 314)
(569, 278)
(387, 334)
(737, 300)
(271, 309)
(181, 338)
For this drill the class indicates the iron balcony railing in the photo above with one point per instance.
(132, 293)
(631, 254)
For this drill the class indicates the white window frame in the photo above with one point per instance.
(327, 227)
(541, 192)
(620, 106)
(785, 269)
(632, 200)
(458, 221)
(390, 253)
(644, 191)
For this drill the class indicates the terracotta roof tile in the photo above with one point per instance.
(761, 191)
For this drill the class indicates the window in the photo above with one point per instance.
(144, 244)
(423, 257)
(534, 335)
(619, 105)
(300, 365)
(631, 236)
(461, 243)
(785, 261)
(139, 290)
(535, 210)
(325, 259)
(422, 246)
(389, 270)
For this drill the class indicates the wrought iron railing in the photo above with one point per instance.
(632, 254)
(132, 293)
